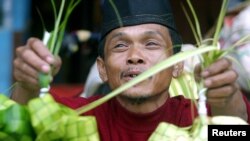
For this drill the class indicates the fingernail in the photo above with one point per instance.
(204, 73)
(50, 59)
(45, 68)
(175, 74)
(207, 83)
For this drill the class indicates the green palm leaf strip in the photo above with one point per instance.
(150, 72)
(198, 131)
(220, 22)
(54, 39)
(209, 57)
(116, 12)
(196, 21)
(184, 85)
(50, 120)
(196, 37)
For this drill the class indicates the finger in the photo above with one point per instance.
(31, 59)
(217, 102)
(222, 92)
(197, 72)
(57, 65)
(217, 67)
(40, 49)
(23, 67)
(221, 79)
(25, 78)
(219, 97)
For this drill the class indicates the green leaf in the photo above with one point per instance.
(53, 40)
(184, 85)
(53, 121)
(44, 80)
(153, 70)
(16, 122)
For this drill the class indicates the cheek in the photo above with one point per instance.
(163, 79)
(114, 69)
(156, 57)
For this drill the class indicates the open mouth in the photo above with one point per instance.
(130, 74)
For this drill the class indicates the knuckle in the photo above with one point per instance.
(15, 63)
(24, 54)
(31, 40)
(15, 74)
(23, 67)
(227, 61)
(230, 89)
(236, 75)
(19, 50)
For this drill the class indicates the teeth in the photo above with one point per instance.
(133, 75)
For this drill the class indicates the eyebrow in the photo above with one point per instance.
(153, 33)
(120, 34)
(116, 35)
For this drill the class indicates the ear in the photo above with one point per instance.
(178, 69)
(102, 69)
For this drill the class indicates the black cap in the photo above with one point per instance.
(121, 13)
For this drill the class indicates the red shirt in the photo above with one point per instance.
(115, 123)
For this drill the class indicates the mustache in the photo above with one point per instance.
(132, 71)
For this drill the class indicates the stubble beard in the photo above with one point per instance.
(141, 99)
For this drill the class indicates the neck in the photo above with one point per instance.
(143, 104)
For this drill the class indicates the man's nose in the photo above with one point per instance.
(135, 56)
(135, 60)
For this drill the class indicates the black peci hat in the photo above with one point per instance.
(120, 13)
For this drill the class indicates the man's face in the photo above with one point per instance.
(129, 51)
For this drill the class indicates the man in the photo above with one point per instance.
(136, 35)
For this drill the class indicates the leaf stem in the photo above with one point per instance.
(153, 70)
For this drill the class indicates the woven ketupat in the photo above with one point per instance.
(14, 121)
(53, 121)
(71, 128)
(196, 132)
(5, 102)
(169, 132)
(44, 111)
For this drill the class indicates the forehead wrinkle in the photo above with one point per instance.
(120, 34)
(152, 33)
(117, 35)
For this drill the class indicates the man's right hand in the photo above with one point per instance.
(30, 60)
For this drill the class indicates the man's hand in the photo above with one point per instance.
(30, 60)
(223, 94)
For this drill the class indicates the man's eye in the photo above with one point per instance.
(119, 45)
(151, 43)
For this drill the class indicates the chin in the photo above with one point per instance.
(135, 93)
(135, 99)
